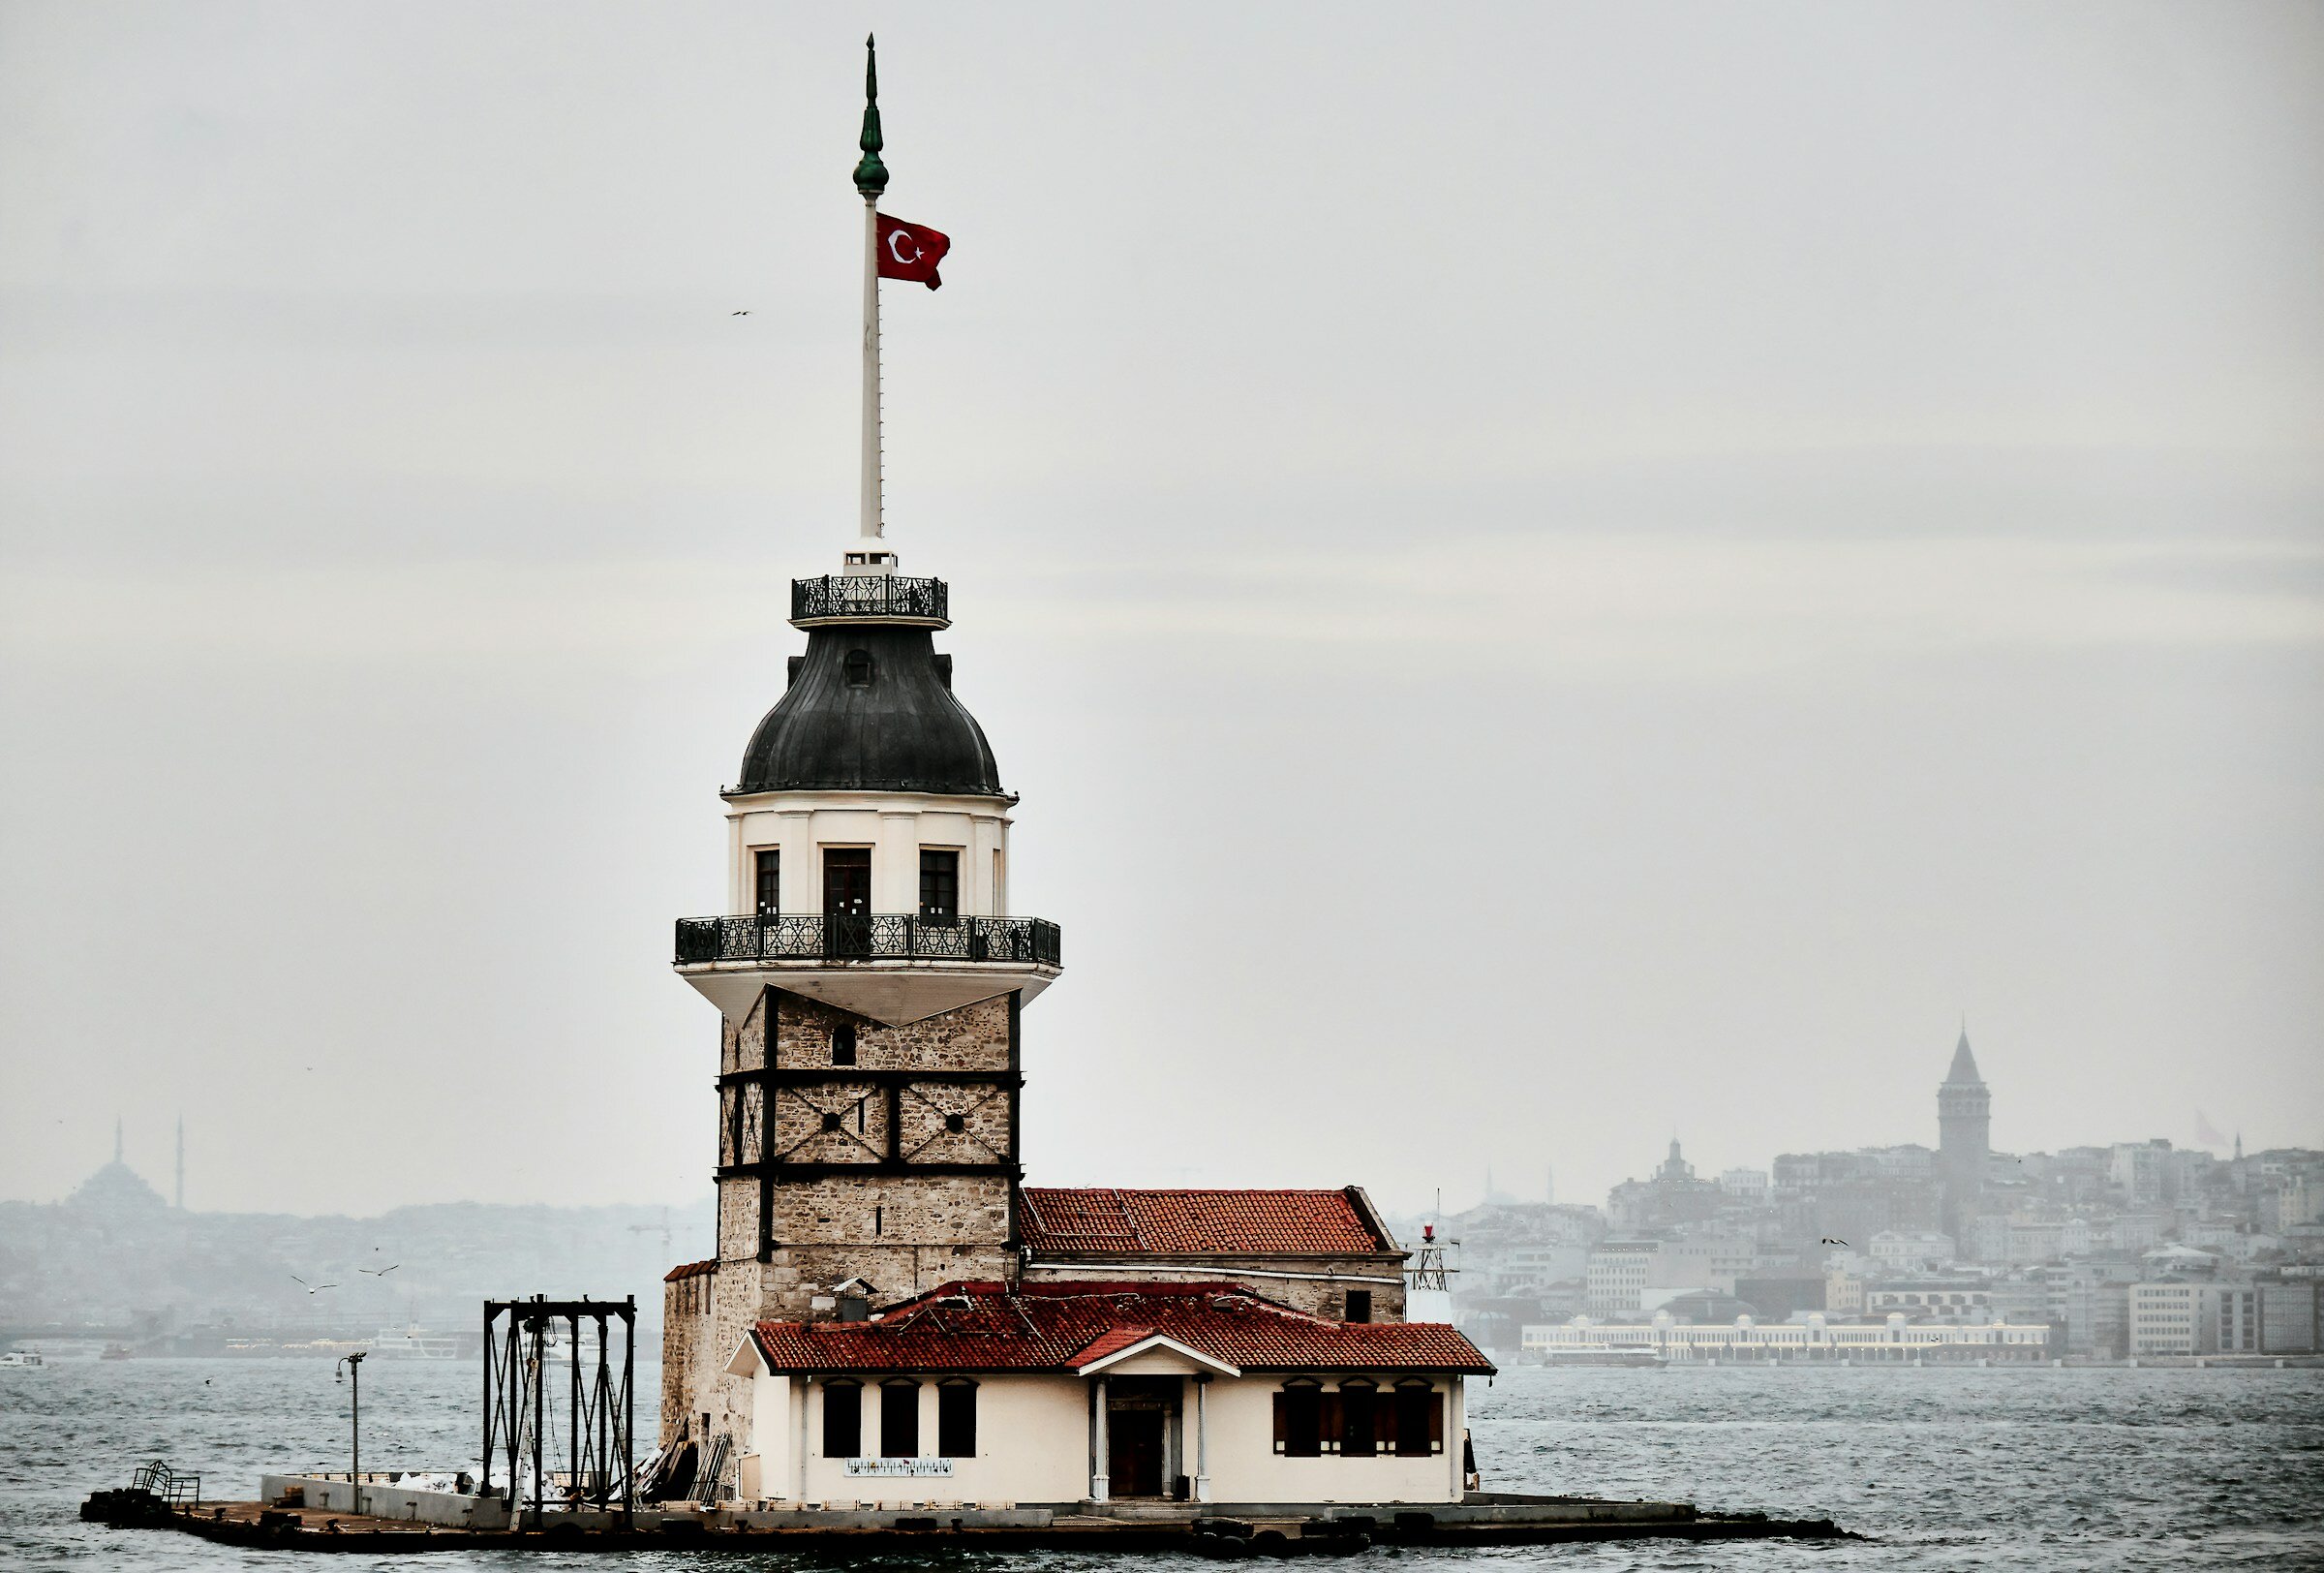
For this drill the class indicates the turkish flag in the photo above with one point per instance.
(910, 251)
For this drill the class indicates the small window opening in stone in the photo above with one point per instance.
(831, 1122)
(842, 1044)
(956, 1122)
(878, 1219)
(859, 668)
(1360, 1305)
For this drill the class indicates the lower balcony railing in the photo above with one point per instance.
(878, 937)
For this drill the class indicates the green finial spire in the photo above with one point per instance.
(870, 175)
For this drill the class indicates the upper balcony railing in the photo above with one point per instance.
(870, 595)
(873, 936)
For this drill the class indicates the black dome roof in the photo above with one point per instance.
(870, 709)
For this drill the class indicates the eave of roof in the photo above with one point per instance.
(1065, 1327)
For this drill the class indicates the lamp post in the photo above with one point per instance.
(353, 1366)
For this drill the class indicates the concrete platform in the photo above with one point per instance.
(1222, 1531)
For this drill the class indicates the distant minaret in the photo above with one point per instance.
(116, 1139)
(181, 1163)
(1963, 1127)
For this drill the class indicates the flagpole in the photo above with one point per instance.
(870, 179)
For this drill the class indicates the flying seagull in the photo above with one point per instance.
(311, 1288)
(1829, 1241)
(743, 313)
(379, 1271)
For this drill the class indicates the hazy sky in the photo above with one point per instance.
(1548, 574)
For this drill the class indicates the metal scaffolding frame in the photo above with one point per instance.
(600, 1413)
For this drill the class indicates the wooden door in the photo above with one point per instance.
(1134, 1438)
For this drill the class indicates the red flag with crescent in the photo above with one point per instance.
(910, 251)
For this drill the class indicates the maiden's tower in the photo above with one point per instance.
(883, 1277)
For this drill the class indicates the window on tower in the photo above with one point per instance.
(842, 1044)
(859, 668)
(939, 887)
(768, 871)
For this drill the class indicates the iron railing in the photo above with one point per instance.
(874, 937)
(869, 594)
(168, 1484)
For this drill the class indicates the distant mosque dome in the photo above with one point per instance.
(870, 709)
(116, 1190)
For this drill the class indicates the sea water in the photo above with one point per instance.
(1997, 1470)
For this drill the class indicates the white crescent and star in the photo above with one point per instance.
(896, 241)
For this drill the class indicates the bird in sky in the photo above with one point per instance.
(1829, 1241)
(379, 1271)
(311, 1288)
(743, 313)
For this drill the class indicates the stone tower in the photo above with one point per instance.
(1964, 1124)
(871, 984)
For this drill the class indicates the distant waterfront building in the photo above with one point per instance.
(1744, 1185)
(1896, 1340)
(2288, 1318)
(1945, 1300)
(1964, 1136)
(2194, 1318)
(1672, 1198)
(1615, 1280)
(1896, 1253)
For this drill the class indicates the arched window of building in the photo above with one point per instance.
(1420, 1420)
(955, 1418)
(1299, 1418)
(843, 1420)
(900, 1418)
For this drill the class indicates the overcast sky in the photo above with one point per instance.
(1549, 575)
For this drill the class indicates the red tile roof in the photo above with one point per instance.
(690, 1270)
(980, 1327)
(1202, 1222)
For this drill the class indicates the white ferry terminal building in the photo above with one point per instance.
(892, 1315)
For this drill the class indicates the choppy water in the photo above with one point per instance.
(1946, 1469)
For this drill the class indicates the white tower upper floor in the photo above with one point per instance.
(868, 841)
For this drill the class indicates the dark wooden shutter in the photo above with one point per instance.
(1436, 1422)
(1383, 1421)
(1328, 1422)
(1282, 1421)
(1419, 1428)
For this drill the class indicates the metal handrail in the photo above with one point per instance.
(175, 1489)
(869, 594)
(869, 937)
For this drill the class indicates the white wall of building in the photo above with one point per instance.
(895, 825)
(1033, 1445)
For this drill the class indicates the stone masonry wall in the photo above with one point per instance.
(901, 1233)
(687, 1345)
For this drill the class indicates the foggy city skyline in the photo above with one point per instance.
(1547, 576)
